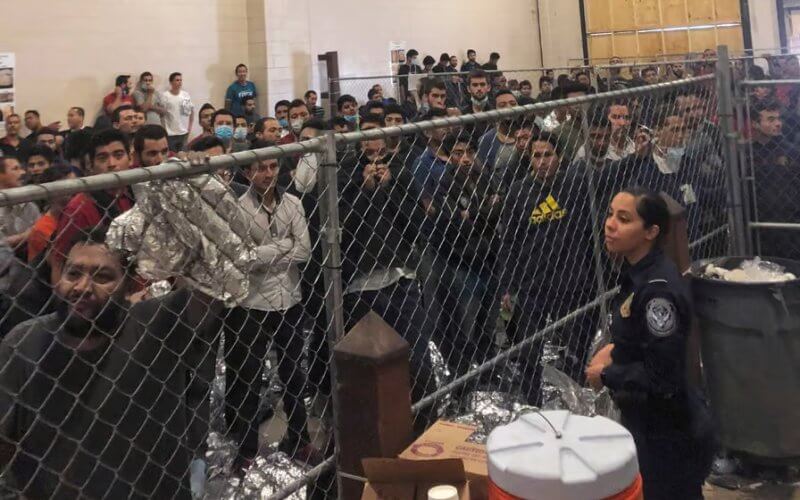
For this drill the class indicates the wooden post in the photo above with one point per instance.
(372, 381)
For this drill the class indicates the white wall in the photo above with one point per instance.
(360, 32)
(562, 39)
(69, 52)
(764, 24)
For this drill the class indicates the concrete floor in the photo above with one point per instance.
(766, 492)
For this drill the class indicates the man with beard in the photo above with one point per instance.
(92, 395)
(478, 89)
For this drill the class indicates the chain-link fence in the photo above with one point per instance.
(173, 334)
(769, 155)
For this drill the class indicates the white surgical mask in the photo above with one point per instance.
(297, 125)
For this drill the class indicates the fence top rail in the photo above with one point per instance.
(496, 114)
(169, 170)
(461, 73)
(764, 83)
(655, 63)
(178, 169)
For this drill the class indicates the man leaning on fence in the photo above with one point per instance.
(92, 396)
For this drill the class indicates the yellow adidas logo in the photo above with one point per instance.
(548, 210)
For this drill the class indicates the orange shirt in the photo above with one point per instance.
(40, 235)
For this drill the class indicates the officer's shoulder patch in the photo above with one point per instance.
(662, 317)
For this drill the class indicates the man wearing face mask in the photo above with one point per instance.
(348, 109)
(478, 89)
(222, 123)
(410, 67)
(150, 101)
(298, 116)
(282, 115)
(240, 133)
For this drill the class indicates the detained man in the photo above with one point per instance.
(460, 287)
(270, 317)
(382, 217)
(545, 262)
(106, 379)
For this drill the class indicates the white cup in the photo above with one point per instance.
(443, 492)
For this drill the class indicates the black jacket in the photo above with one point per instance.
(546, 240)
(467, 239)
(380, 226)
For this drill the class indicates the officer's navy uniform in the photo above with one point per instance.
(650, 326)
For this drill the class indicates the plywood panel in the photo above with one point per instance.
(727, 11)
(600, 47)
(701, 12)
(700, 40)
(625, 45)
(673, 13)
(732, 37)
(598, 16)
(622, 15)
(647, 15)
(650, 44)
(676, 42)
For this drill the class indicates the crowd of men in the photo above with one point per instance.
(104, 388)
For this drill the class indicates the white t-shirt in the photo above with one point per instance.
(179, 109)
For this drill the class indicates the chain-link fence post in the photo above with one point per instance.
(332, 267)
(730, 153)
(598, 246)
(741, 102)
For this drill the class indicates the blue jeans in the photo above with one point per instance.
(401, 306)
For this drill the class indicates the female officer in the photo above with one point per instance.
(644, 367)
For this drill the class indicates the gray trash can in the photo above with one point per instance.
(751, 360)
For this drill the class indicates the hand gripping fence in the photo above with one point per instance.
(175, 333)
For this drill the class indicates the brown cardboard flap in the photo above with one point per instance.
(396, 470)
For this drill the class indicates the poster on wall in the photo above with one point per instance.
(7, 94)
(397, 56)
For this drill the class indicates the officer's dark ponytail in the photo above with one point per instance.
(652, 208)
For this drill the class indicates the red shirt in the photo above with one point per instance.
(128, 99)
(287, 139)
(83, 212)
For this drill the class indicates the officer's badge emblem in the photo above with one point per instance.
(625, 309)
(662, 317)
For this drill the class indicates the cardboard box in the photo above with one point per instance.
(398, 479)
(445, 440)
